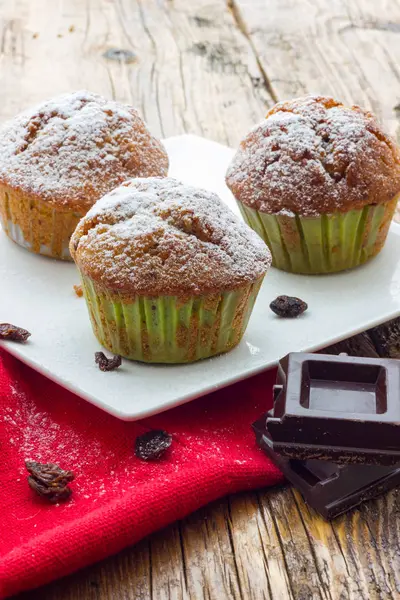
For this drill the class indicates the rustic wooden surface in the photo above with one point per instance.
(213, 68)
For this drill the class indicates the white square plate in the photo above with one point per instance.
(37, 294)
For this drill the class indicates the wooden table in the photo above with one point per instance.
(213, 68)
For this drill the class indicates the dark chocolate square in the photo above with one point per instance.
(331, 489)
(340, 408)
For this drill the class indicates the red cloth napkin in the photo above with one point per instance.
(117, 498)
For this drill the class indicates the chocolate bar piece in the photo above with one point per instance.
(339, 408)
(329, 488)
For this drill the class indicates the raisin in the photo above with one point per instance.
(49, 480)
(153, 444)
(13, 333)
(107, 364)
(288, 306)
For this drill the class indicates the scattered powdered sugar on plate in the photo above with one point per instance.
(76, 147)
(158, 236)
(254, 350)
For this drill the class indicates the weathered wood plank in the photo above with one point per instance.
(209, 557)
(349, 559)
(347, 48)
(386, 338)
(166, 578)
(192, 71)
(261, 561)
(359, 345)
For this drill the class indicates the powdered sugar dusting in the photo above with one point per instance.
(284, 212)
(36, 436)
(313, 155)
(158, 236)
(76, 147)
(35, 432)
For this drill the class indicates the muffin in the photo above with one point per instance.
(59, 158)
(169, 273)
(319, 182)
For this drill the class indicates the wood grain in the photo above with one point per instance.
(212, 68)
(346, 48)
(190, 68)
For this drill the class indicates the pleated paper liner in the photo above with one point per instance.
(170, 329)
(35, 224)
(325, 244)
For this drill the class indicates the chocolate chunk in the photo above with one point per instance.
(329, 488)
(13, 333)
(288, 306)
(153, 444)
(49, 481)
(340, 408)
(107, 364)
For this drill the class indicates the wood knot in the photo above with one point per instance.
(120, 55)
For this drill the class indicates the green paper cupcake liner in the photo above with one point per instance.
(169, 329)
(324, 244)
(36, 225)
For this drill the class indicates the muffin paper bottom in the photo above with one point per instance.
(14, 232)
(324, 244)
(36, 225)
(170, 329)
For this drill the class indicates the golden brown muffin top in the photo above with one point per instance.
(156, 236)
(314, 156)
(75, 148)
